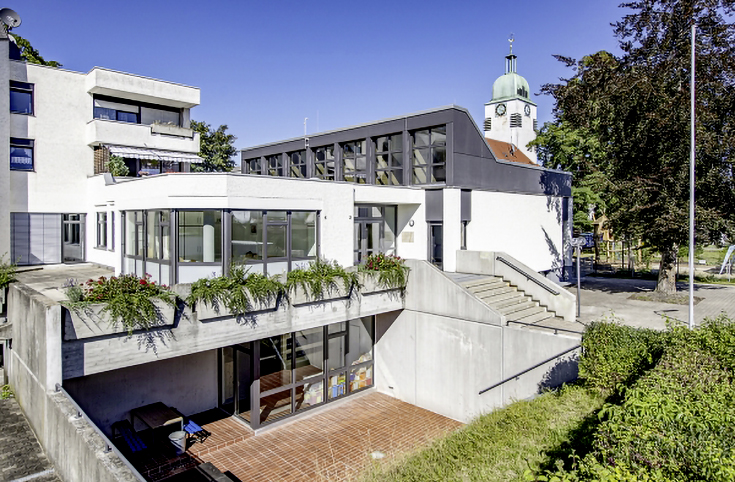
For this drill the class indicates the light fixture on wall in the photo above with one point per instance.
(411, 223)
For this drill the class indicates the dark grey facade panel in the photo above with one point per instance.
(479, 173)
(465, 203)
(467, 139)
(434, 205)
(431, 119)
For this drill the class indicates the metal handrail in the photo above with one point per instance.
(528, 276)
(556, 330)
(529, 369)
(109, 446)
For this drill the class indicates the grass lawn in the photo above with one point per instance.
(501, 445)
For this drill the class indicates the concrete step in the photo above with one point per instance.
(520, 298)
(510, 311)
(502, 294)
(519, 315)
(489, 279)
(537, 317)
(490, 285)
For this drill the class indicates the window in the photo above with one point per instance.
(273, 239)
(158, 245)
(21, 97)
(516, 120)
(430, 155)
(21, 154)
(116, 111)
(375, 231)
(463, 235)
(298, 163)
(389, 160)
(200, 236)
(102, 230)
(134, 112)
(111, 245)
(354, 161)
(253, 166)
(274, 165)
(324, 163)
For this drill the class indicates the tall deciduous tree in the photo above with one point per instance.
(31, 55)
(216, 148)
(636, 108)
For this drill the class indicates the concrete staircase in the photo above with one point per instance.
(514, 304)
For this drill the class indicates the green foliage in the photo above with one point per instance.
(216, 148)
(321, 277)
(8, 271)
(390, 271)
(6, 392)
(615, 354)
(238, 293)
(636, 109)
(31, 55)
(127, 299)
(117, 167)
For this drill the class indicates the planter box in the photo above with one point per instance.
(91, 322)
(370, 284)
(171, 130)
(300, 297)
(205, 312)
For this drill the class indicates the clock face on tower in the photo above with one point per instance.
(500, 109)
(527, 109)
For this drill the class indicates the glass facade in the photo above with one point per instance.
(272, 378)
(389, 160)
(102, 230)
(430, 155)
(354, 162)
(324, 163)
(200, 236)
(297, 161)
(147, 244)
(375, 230)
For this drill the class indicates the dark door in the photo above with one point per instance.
(436, 244)
(73, 238)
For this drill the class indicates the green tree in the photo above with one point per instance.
(216, 148)
(31, 55)
(636, 107)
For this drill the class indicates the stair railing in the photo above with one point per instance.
(528, 276)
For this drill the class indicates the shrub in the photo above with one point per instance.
(615, 355)
(117, 167)
(321, 276)
(128, 299)
(236, 292)
(8, 271)
(391, 271)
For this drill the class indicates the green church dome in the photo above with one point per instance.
(510, 86)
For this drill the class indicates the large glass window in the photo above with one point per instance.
(247, 236)
(21, 154)
(324, 167)
(200, 236)
(303, 234)
(389, 160)
(116, 110)
(253, 166)
(375, 231)
(159, 235)
(354, 161)
(298, 163)
(102, 230)
(274, 165)
(134, 233)
(21, 97)
(430, 155)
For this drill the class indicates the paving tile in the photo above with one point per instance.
(331, 445)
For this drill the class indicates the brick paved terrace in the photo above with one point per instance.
(333, 444)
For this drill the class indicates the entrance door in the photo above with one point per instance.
(236, 379)
(367, 239)
(73, 238)
(436, 244)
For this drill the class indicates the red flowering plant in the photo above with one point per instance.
(127, 298)
(391, 271)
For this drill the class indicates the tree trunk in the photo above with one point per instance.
(667, 271)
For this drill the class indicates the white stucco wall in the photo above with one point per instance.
(526, 227)
(4, 149)
(500, 128)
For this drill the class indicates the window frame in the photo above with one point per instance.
(22, 143)
(101, 230)
(350, 153)
(325, 174)
(23, 88)
(391, 155)
(301, 167)
(430, 167)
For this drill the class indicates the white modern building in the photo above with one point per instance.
(481, 234)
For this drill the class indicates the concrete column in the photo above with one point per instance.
(452, 215)
(208, 238)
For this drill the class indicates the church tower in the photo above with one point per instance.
(511, 115)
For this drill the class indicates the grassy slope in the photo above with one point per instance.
(501, 445)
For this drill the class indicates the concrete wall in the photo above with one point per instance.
(34, 368)
(441, 350)
(526, 227)
(188, 383)
(4, 148)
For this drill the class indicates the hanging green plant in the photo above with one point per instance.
(320, 278)
(134, 302)
(390, 271)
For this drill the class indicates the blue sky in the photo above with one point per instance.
(264, 66)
